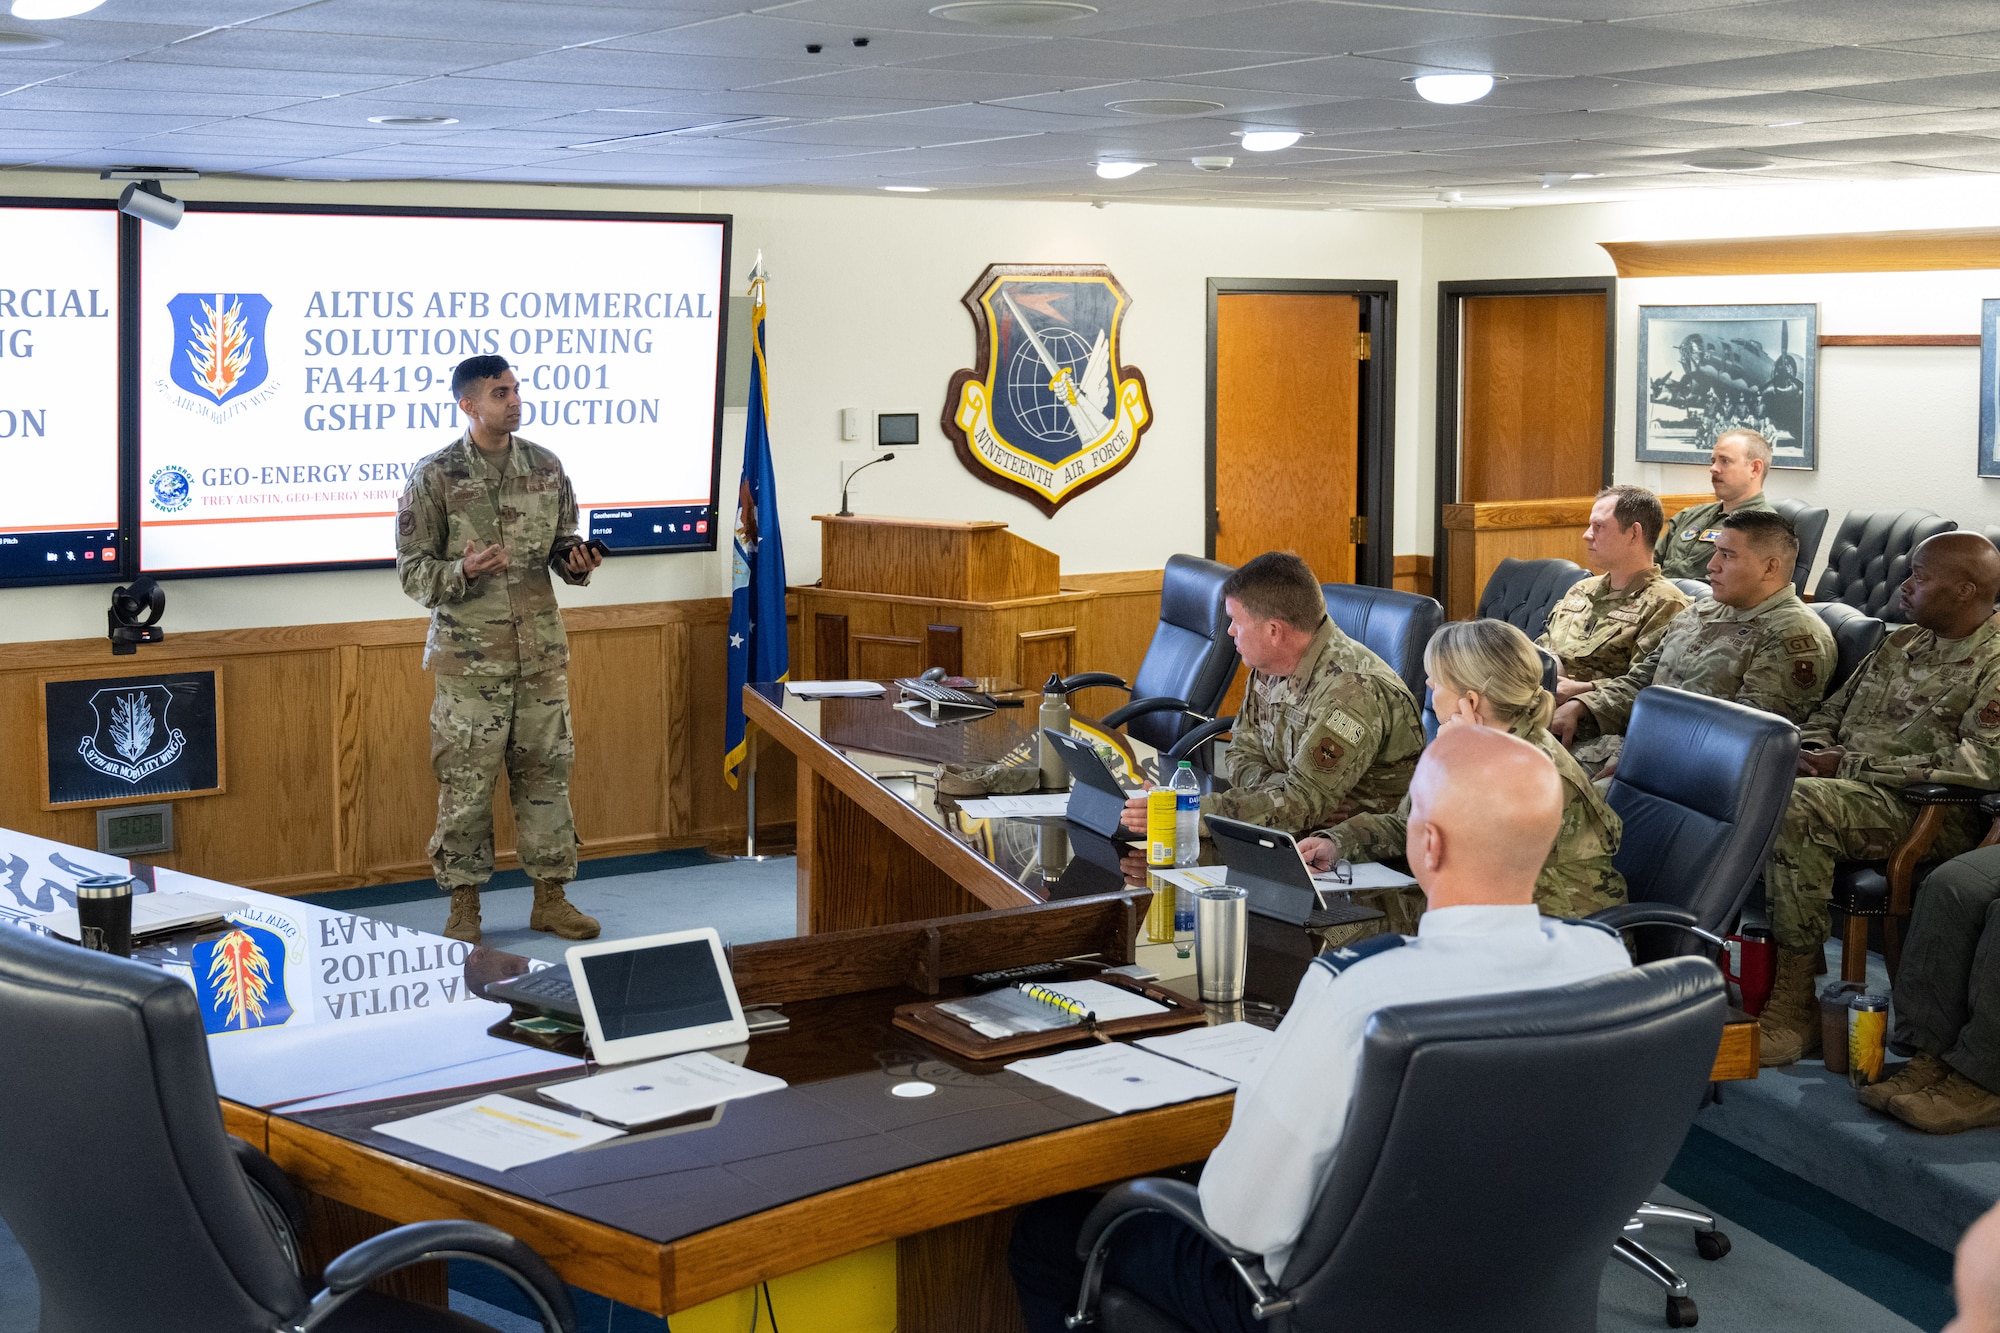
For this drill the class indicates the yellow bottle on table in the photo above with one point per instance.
(1162, 817)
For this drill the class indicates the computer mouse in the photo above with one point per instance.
(934, 674)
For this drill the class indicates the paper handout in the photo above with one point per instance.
(660, 1089)
(1227, 1050)
(498, 1133)
(1121, 1078)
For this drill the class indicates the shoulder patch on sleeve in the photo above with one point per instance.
(1804, 674)
(1800, 643)
(406, 522)
(1989, 716)
(1339, 960)
(1343, 726)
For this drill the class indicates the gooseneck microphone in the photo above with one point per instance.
(845, 512)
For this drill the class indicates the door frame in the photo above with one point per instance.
(1450, 294)
(1374, 560)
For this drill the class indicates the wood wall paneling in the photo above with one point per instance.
(1287, 428)
(1481, 535)
(829, 647)
(1040, 653)
(944, 646)
(1531, 406)
(882, 656)
(1413, 574)
(328, 745)
(1852, 252)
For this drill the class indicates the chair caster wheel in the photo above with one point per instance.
(1681, 1312)
(1711, 1244)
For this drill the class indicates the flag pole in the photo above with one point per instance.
(748, 764)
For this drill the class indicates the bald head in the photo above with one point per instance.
(1953, 580)
(1484, 811)
(1976, 1277)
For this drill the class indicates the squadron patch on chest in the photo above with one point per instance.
(1328, 754)
(1804, 673)
(1989, 716)
(1343, 726)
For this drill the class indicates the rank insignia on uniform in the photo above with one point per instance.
(1328, 753)
(1339, 960)
(1804, 672)
(1989, 716)
(1048, 412)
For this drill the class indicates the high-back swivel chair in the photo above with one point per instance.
(1855, 635)
(1524, 592)
(1403, 1235)
(1809, 525)
(1188, 665)
(134, 1206)
(1870, 556)
(1393, 625)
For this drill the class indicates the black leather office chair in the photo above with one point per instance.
(1393, 625)
(1855, 635)
(1702, 785)
(1620, 1062)
(1524, 592)
(1809, 523)
(134, 1206)
(1189, 664)
(1870, 556)
(1694, 588)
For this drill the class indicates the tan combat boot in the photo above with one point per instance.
(464, 921)
(1949, 1107)
(556, 915)
(1924, 1071)
(1788, 1029)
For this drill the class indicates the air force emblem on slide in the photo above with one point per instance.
(1048, 412)
(218, 346)
(132, 740)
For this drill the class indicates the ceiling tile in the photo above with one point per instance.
(646, 69)
(1837, 22)
(143, 76)
(1770, 108)
(509, 22)
(1957, 90)
(769, 37)
(61, 96)
(1586, 93)
(1112, 15)
(1981, 45)
(1310, 27)
(1096, 58)
(1095, 101)
(1591, 48)
(83, 41)
(922, 85)
(1819, 68)
(1886, 148)
(1317, 77)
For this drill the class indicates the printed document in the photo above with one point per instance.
(498, 1132)
(661, 1089)
(833, 689)
(1121, 1078)
(1227, 1050)
(1018, 807)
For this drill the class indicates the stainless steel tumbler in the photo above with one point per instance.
(1221, 942)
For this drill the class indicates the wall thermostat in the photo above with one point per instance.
(850, 423)
(132, 829)
(895, 428)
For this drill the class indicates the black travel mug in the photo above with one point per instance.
(104, 911)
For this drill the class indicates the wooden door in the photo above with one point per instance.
(1287, 428)
(1531, 397)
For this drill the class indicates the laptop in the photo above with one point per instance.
(1266, 864)
(640, 998)
(1096, 797)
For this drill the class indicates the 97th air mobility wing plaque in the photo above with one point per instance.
(1048, 412)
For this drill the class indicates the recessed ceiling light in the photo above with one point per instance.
(1269, 141)
(909, 189)
(1163, 106)
(1113, 171)
(1213, 163)
(1452, 89)
(53, 9)
(1012, 13)
(26, 41)
(1729, 162)
(1781, 124)
(413, 122)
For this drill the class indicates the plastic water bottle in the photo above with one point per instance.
(1187, 815)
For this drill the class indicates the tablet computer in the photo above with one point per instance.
(656, 995)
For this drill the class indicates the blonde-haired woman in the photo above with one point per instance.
(1485, 673)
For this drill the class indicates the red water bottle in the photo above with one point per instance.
(1750, 962)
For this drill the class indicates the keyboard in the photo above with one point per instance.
(1340, 914)
(550, 990)
(944, 700)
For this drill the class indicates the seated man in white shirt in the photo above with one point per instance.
(1484, 811)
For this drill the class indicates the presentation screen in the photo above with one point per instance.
(294, 366)
(58, 395)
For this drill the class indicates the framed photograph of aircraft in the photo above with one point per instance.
(1707, 369)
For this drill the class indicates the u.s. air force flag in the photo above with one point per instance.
(757, 647)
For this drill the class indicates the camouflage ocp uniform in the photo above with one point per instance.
(1597, 631)
(497, 645)
(1577, 879)
(1920, 709)
(1341, 732)
(1775, 656)
(1685, 548)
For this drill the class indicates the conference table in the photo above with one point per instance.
(366, 1023)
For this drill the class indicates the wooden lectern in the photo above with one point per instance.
(899, 595)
